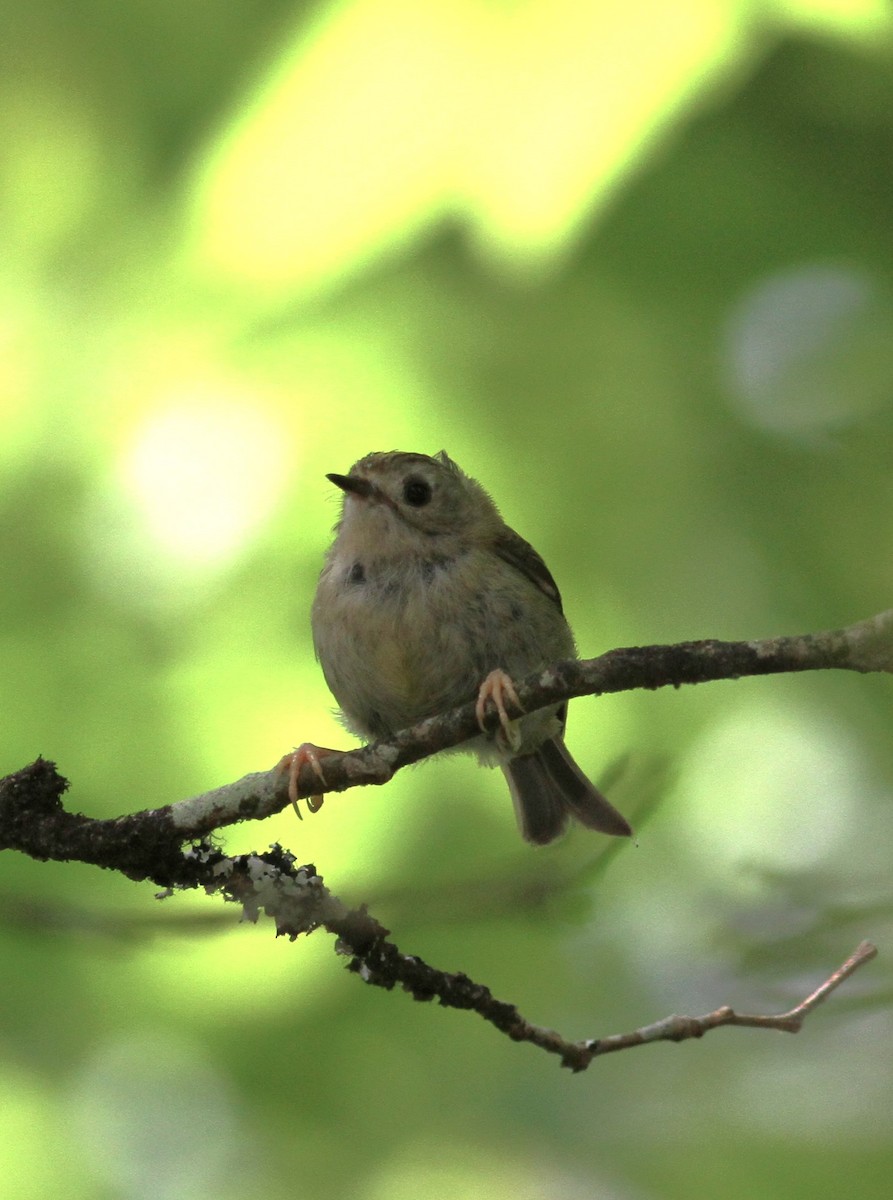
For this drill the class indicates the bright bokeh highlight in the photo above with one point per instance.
(205, 472)
(515, 119)
(769, 786)
(809, 352)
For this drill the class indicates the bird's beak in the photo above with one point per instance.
(354, 484)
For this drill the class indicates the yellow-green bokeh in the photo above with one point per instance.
(629, 264)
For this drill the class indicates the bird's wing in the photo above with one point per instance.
(519, 554)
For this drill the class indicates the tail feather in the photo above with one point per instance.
(547, 787)
(539, 805)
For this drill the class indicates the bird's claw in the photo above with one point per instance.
(498, 687)
(309, 755)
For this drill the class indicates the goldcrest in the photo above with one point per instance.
(427, 600)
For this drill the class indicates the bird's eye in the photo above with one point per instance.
(416, 491)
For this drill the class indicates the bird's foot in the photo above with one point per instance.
(309, 755)
(498, 687)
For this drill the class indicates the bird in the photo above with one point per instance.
(426, 600)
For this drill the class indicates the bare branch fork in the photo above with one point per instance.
(149, 844)
(299, 902)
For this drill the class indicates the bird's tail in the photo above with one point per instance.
(548, 787)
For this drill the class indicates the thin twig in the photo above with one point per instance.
(380, 963)
(679, 1028)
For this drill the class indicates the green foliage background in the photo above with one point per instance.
(631, 265)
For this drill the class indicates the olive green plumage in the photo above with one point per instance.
(426, 591)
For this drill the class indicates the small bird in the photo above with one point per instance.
(428, 599)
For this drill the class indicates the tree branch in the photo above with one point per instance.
(865, 647)
(133, 843)
(149, 844)
(298, 901)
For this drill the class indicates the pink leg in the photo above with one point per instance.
(310, 755)
(498, 687)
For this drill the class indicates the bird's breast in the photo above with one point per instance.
(401, 640)
(383, 633)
